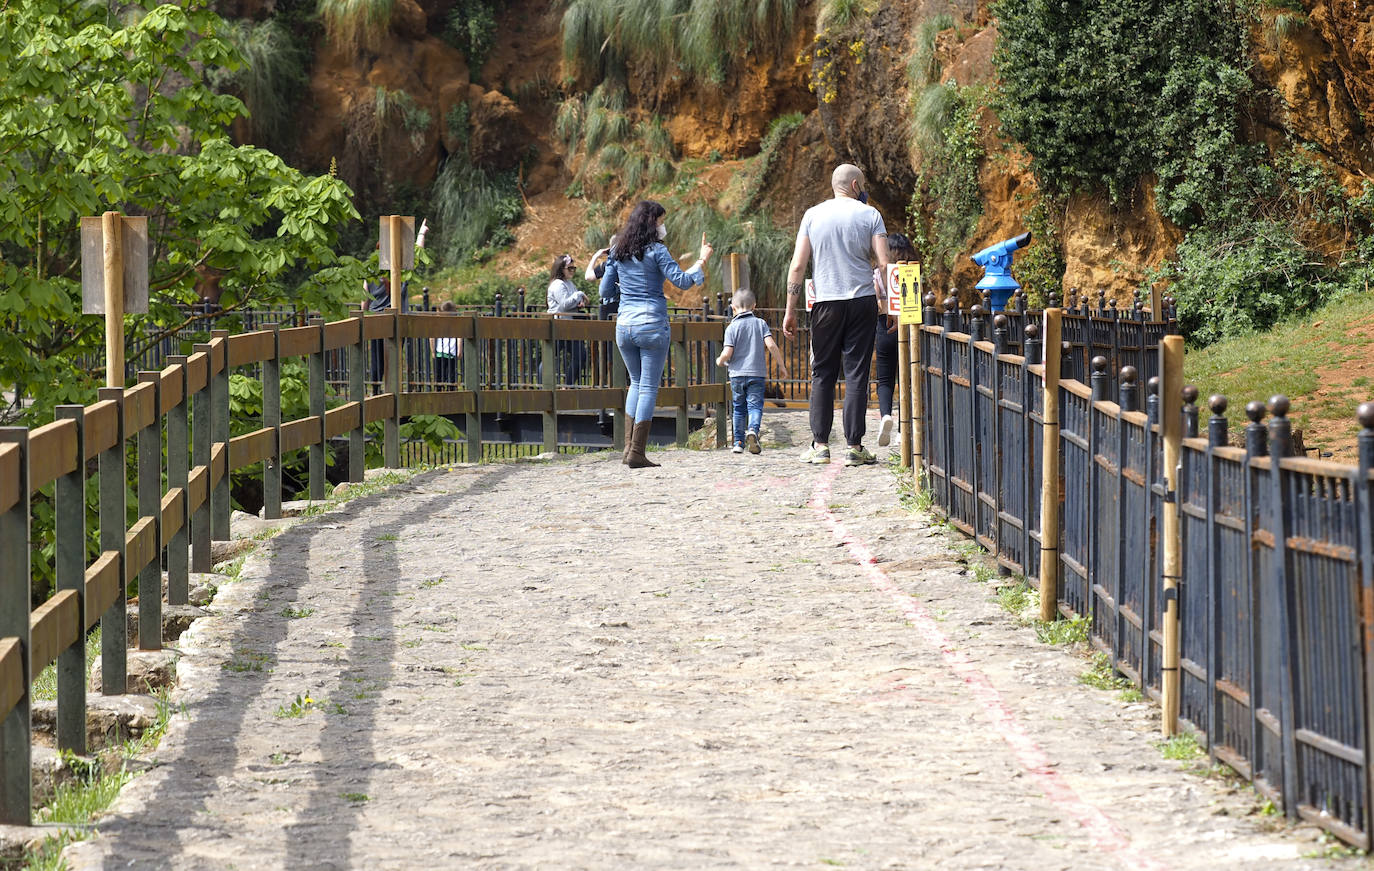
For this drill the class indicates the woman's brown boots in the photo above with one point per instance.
(629, 440)
(634, 453)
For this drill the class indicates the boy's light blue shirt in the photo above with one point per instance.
(746, 334)
(641, 285)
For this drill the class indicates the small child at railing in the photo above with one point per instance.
(746, 338)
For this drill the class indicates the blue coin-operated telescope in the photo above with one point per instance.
(996, 263)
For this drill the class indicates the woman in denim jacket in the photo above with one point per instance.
(639, 263)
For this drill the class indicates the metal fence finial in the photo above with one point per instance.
(1099, 378)
(1256, 436)
(1216, 425)
(1190, 395)
(1130, 399)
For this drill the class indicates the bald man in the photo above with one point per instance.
(837, 237)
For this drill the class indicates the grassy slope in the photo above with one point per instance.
(1323, 363)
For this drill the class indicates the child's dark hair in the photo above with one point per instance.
(640, 231)
(900, 248)
(744, 298)
(561, 262)
(448, 305)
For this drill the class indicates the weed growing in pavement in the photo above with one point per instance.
(292, 613)
(1330, 847)
(1103, 677)
(245, 660)
(1183, 747)
(1073, 630)
(912, 492)
(1016, 597)
(302, 705)
(354, 797)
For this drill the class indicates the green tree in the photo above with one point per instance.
(108, 106)
(1104, 92)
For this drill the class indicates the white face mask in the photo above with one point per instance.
(662, 232)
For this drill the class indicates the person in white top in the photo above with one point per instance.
(838, 237)
(564, 300)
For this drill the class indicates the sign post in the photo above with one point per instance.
(114, 279)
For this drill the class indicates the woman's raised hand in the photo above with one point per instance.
(706, 249)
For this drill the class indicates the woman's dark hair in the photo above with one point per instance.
(640, 231)
(561, 262)
(900, 248)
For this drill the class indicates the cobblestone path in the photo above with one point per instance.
(729, 662)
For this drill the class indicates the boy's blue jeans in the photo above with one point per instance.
(747, 392)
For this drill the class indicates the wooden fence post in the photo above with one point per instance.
(1049, 493)
(219, 433)
(114, 623)
(112, 228)
(680, 371)
(357, 359)
(391, 437)
(472, 371)
(316, 385)
(69, 564)
(1171, 422)
(619, 378)
(549, 376)
(15, 750)
(271, 417)
(904, 399)
(178, 467)
(723, 408)
(200, 457)
(150, 505)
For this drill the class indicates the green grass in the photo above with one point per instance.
(45, 685)
(1291, 359)
(80, 801)
(1071, 631)
(1182, 747)
(352, 25)
(1017, 598)
(293, 613)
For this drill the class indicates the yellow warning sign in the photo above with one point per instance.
(909, 278)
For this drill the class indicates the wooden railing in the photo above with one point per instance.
(185, 409)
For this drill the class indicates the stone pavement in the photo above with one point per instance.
(733, 661)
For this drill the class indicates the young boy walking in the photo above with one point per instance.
(746, 339)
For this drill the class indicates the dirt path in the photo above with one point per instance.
(729, 662)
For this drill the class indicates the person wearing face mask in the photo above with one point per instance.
(639, 263)
(841, 238)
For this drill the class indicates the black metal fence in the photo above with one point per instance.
(1276, 595)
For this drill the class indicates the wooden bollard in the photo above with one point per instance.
(1049, 492)
(1171, 422)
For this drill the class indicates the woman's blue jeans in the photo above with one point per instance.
(747, 392)
(644, 348)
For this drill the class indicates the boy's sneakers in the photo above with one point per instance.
(817, 456)
(751, 441)
(737, 448)
(885, 431)
(859, 456)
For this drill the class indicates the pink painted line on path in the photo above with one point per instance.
(1105, 834)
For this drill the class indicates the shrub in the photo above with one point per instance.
(273, 71)
(471, 207)
(703, 37)
(472, 28)
(1103, 94)
(354, 25)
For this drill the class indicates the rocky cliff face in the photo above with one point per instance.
(1320, 65)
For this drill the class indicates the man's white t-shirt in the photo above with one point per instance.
(841, 232)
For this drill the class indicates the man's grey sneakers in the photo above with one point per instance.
(737, 448)
(885, 431)
(817, 456)
(751, 442)
(859, 456)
